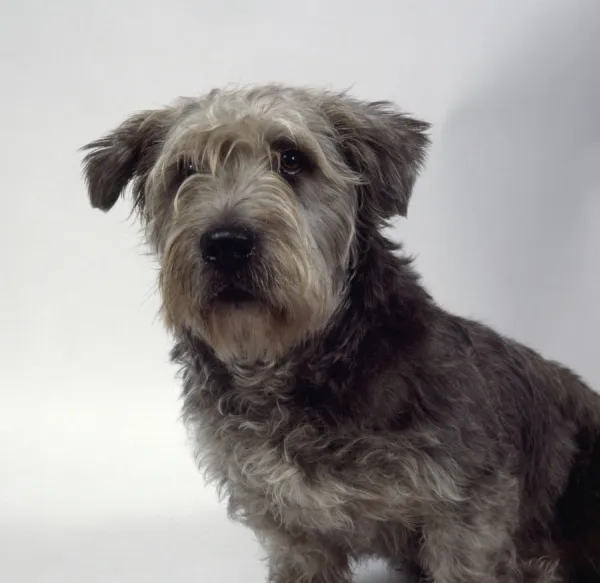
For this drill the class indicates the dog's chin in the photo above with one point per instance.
(243, 326)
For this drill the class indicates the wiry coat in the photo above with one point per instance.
(398, 430)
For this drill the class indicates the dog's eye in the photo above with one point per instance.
(185, 169)
(291, 162)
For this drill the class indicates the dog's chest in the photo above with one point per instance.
(264, 474)
(271, 459)
(264, 452)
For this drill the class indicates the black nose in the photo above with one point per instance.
(227, 248)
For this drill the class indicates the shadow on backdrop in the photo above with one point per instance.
(517, 190)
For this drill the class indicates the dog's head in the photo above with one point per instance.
(252, 198)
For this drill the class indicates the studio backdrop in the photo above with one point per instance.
(97, 479)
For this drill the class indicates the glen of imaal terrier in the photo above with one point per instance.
(343, 413)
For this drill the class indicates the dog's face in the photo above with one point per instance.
(252, 199)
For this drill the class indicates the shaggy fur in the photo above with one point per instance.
(342, 412)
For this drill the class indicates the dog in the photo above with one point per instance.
(342, 413)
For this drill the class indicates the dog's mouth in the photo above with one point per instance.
(233, 295)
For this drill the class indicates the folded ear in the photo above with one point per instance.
(385, 147)
(125, 154)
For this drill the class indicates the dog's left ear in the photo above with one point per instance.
(126, 154)
(385, 147)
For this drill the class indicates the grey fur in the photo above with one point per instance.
(342, 412)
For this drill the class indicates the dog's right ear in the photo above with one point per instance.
(126, 154)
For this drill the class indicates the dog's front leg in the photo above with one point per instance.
(456, 552)
(302, 557)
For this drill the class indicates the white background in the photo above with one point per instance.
(97, 482)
